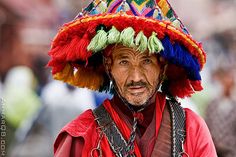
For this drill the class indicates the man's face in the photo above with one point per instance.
(135, 74)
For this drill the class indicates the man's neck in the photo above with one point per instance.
(123, 110)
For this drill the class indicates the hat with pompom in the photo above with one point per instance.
(78, 48)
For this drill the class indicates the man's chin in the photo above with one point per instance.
(136, 101)
(139, 99)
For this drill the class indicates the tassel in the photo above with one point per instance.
(181, 88)
(89, 78)
(196, 85)
(127, 37)
(180, 56)
(154, 44)
(72, 49)
(99, 41)
(77, 49)
(184, 59)
(82, 52)
(59, 52)
(141, 42)
(113, 36)
(57, 66)
(66, 75)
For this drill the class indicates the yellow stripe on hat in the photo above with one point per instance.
(164, 6)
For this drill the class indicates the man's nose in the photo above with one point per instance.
(136, 74)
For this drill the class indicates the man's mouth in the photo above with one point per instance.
(136, 90)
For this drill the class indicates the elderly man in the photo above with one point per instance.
(142, 53)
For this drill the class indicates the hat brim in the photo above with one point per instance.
(88, 25)
(83, 29)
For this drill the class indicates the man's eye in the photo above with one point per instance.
(147, 61)
(123, 62)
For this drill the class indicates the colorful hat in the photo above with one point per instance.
(78, 48)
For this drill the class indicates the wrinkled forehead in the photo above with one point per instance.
(121, 50)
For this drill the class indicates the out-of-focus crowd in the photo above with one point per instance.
(34, 107)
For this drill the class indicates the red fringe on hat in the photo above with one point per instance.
(73, 49)
(59, 53)
(77, 49)
(179, 84)
(181, 88)
(69, 51)
(57, 66)
(196, 85)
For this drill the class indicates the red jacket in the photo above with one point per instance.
(81, 136)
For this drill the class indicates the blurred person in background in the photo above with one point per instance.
(25, 29)
(21, 103)
(25, 33)
(131, 52)
(63, 103)
(12, 55)
(220, 113)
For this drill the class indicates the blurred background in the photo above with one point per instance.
(34, 107)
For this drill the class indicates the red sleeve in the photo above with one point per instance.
(68, 146)
(78, 137)
(199, 142)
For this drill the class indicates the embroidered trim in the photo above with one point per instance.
(109, 128)
(178, 128)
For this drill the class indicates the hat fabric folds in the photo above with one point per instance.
(78, 48)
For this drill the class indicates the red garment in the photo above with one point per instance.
(81, 136)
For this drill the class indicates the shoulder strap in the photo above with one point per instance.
(178, 120)
(109, 128)
(171, 134)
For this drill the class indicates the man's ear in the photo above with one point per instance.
(163, 66)
(107, 63)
